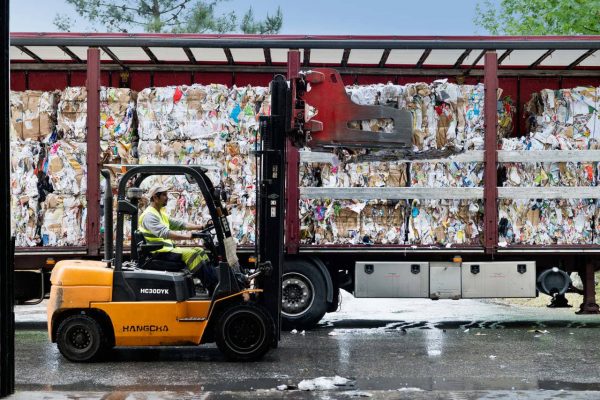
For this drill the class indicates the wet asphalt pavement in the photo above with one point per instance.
(386, 348)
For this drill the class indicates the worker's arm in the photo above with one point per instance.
(177, 225)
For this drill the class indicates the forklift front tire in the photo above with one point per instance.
(80, 338)
(245, 332)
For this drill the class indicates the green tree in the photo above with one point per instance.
(539, 17)
(177, 16)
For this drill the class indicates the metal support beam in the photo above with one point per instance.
(490, 216)
(312, 42)
(150, 54)
(423, 58)
(589, 305)
(189, 55)
(93, 152)
(503, 56)
(7, 248)
(581, 58)
(112, 56)
(267, 53)
(30, 53)
(345, 58)
(73, 56)
(461, 59)
(306, 57)
(276, 69)
(229, 56)
(541, 59)
(384, 57)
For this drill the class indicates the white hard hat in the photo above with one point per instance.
(157, 189)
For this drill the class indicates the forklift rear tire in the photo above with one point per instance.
(245, 332)
(303, 294)
(80, 338)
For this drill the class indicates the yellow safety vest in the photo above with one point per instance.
(152, 238)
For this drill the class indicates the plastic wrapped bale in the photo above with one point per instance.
(24, 220)
(66, 166)
(445, 222)
(63, 220)
(384, 222)
(33, 114)
(72, 114)
(546, 222)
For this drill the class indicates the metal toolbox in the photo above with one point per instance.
(498, 279)
(391, 279)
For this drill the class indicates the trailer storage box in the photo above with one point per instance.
(498, 279)
(391, 279)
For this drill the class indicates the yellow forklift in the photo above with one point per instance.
(96, 305)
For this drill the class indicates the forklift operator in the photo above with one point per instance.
(157, 227)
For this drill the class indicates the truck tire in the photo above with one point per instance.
(80, 338)
(303, 295)
(244, 332)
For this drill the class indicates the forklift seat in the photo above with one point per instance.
(149, 261)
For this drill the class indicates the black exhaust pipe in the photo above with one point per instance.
(108, 218)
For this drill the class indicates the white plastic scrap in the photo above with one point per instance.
(322, 383)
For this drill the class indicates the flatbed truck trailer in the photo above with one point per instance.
(314, 274)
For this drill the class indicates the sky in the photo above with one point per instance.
(315, 17)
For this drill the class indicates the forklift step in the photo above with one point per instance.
(191, 319)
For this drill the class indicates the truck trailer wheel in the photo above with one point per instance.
(245, 332)
(303, 295)
(80, 338)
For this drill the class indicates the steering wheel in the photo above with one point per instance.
(201, 234)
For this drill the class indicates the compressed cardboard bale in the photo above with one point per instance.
(445, 222)
(550, 174)
(63, 220)
(384, 222)
(213, 126)
(24, 220)
(546, 221)
(564, 119)
(446, 174)
(72, 114)
(445, 115)
(33, 115)
(24, 163)
(66, 166)
(16, 116)
(117, 132)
